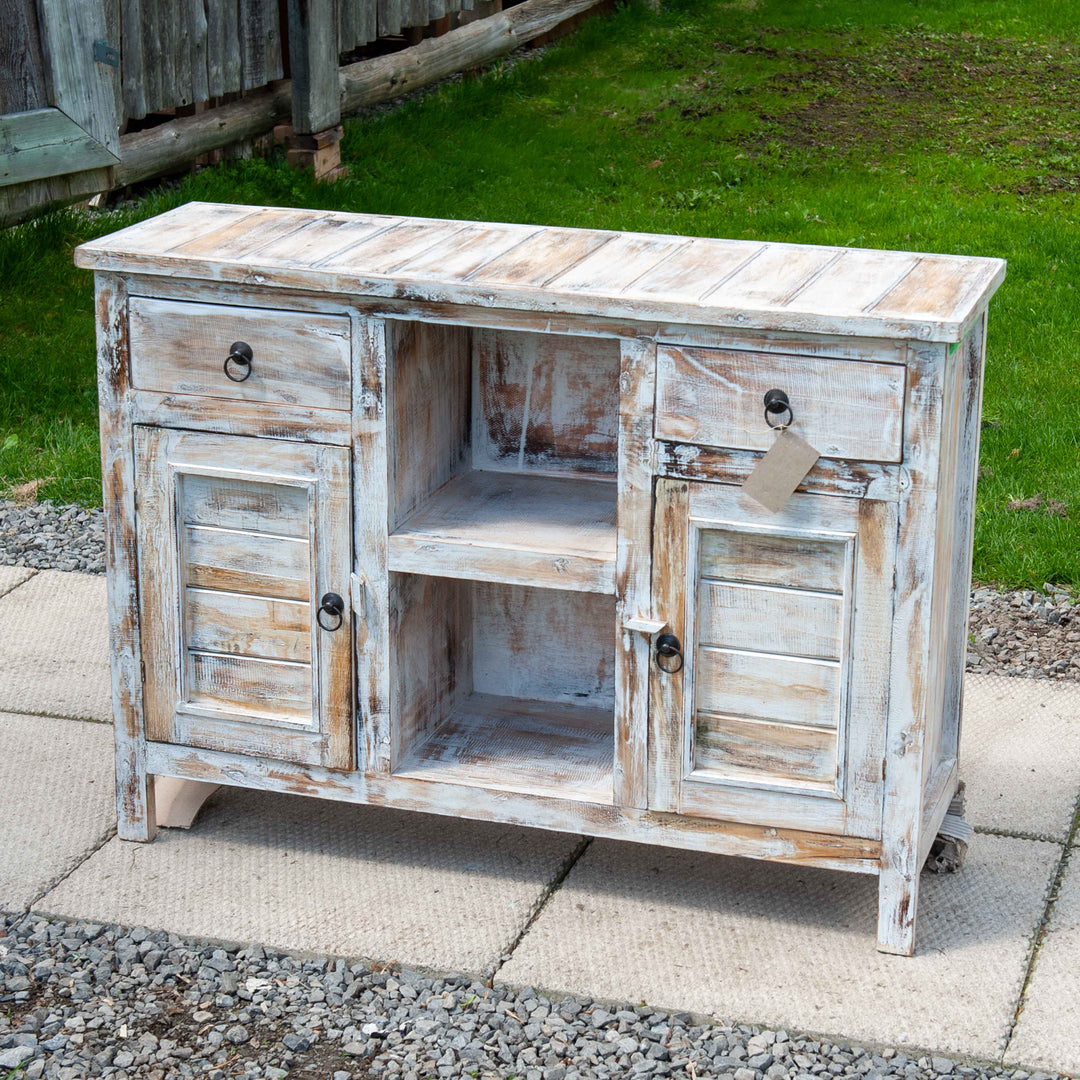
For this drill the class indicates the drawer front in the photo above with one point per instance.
(297, 358)
(844, 408)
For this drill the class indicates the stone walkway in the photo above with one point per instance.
(996, 977)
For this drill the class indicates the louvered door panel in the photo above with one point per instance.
(238, 540)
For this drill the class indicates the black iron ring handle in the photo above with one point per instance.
(669, 647)
(241, 355)
(331, 604)
(776, 404)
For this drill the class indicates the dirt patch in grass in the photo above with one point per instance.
(1010, 103)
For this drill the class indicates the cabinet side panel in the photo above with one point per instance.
(427, 371)
(956, 532)
(134, 788)
(431, 655)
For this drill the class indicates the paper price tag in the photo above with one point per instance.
(780, 471)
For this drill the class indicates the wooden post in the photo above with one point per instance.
(315, 141)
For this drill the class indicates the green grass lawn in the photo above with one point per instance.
(930, 126)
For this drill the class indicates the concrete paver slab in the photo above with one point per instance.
(54, 647)
(12, 576)
(1020, 754)
(315, 876)
(794, 947)
(56, 801)
(1048, 1033)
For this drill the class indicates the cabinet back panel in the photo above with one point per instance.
(548, 402)
(544, 644)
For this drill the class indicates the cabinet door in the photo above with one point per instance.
(777, 716)
(239, 539)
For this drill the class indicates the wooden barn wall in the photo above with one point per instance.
(183, 52)
(22, 74)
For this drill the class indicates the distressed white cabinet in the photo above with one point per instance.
(450, 516)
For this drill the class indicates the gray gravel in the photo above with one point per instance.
(1026, 632)
(80, 1000)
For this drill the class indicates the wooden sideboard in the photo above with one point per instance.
(450, 516)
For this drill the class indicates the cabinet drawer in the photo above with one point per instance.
(297, 358)
(845, 408)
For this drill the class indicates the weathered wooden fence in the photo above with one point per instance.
(82, 82)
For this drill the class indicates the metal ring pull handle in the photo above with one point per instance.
(240, 355)
(332, 605)
(669, 657)
(776, 404)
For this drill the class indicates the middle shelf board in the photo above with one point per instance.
(510, 744)
(550, 531)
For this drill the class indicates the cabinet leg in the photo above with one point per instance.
(135, 816)
(898, 897)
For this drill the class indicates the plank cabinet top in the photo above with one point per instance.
(672, 279)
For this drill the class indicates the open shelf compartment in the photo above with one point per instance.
(520, 528)
(505, 687)
(503, 450)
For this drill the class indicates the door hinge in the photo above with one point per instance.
(142, 671)
(104, 53)
(884, 762)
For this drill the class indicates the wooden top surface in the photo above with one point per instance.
(746, 284)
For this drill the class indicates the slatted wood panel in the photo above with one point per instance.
(182, 52)
(747, 285)
(235, 534)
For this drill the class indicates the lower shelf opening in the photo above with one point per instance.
(511, 744)
(505, 687)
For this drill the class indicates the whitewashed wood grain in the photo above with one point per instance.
(430, 656)
(910, 693)
(371, 519)
(715, 397)
(853, 479)
(545, 402)
(230, 503)
(633, 592)
(767, 619)
(224, 622)
(760, 557)
(134, 784)
(767, 687)
(800, 846)
(519, 528)
(250, 562)
(577, 662)
(757, 751)
(180, 348)
(506, 744)
(270, 690)
(937, 301)
(427, 394)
